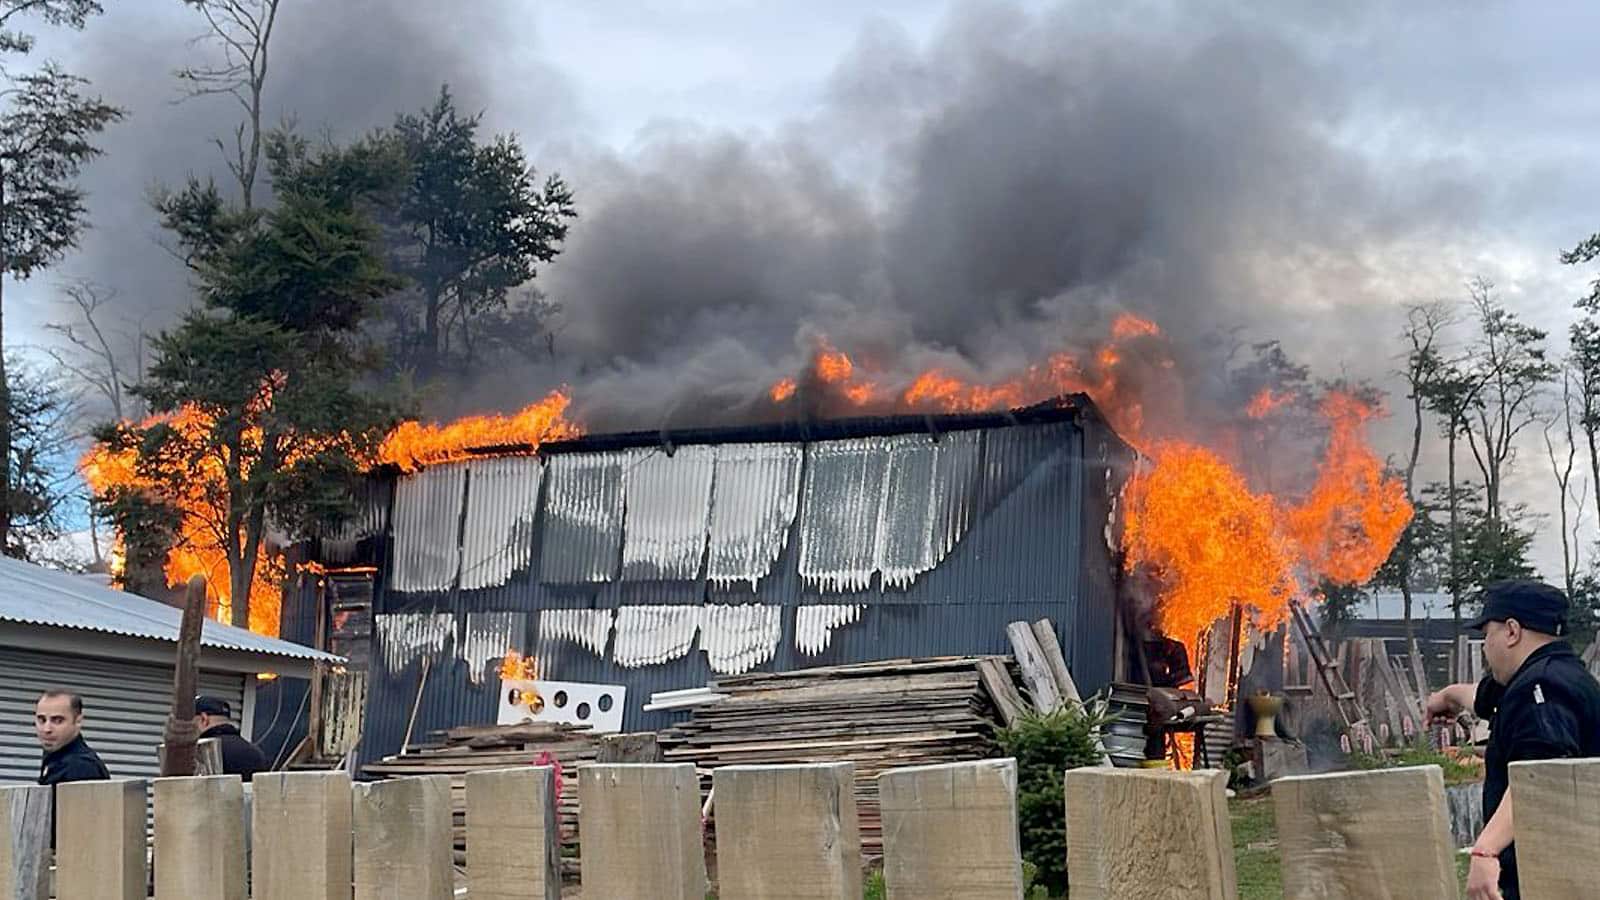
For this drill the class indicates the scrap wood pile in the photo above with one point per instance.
(879, 715)
(478, 747)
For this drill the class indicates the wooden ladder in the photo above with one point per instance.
(1344, 699)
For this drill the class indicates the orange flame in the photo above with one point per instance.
(516, 667)
(783, 390)
(1211, 541)
(1354, 514)
(413, 445)
(198, 548)
(1266, 402)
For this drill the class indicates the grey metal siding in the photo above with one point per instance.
(1034, 546)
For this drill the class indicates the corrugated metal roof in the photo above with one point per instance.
(582, 535)
(754, 496)
(34, 595)
(427, 528)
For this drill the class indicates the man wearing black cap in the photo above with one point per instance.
(239, 756)
(1540, 702)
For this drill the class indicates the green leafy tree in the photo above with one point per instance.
(1045, 746)
(261, 419)
(470, 226)
(47, 128)
(44, 418)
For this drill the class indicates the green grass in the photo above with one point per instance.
(1255, 848)
(1455, 771)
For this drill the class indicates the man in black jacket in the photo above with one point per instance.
(58, 723)
(239, 756)
(1541, 703)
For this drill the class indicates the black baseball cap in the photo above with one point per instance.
(214, 706)
(1538, 606)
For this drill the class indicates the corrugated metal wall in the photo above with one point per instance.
(1027, 542)
(125, 708)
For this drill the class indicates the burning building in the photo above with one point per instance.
(657, 560)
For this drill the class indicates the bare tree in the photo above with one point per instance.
(1425, 324)
(1562, 469)
(96, 352)
(242, 29)
(1510, 359)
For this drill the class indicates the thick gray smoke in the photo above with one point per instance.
(980, 203)
(976, 203)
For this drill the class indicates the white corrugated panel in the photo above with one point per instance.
(668, 510)
(403, 637)
(125, 708)
(754, 495)
(739, 638)
(497, 537)
(927, 503)
(427, 526)
(588, 628)
(581, 539)
(844, 487)
(648, 635)
(488, 636)
(814, 625)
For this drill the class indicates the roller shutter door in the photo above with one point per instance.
(125, 708)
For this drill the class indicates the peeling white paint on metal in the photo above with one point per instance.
(488, 636)
(648, 635)
(427, 522)
(738, 638)
(755, 494)
(581, 541)
(404, 637)
(844, 487)
(892, 506)
(588, 628)
(668, 512)
(814, 625)
(497, 537)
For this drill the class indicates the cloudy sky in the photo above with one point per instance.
(972, 184)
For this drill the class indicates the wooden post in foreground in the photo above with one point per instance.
(1341, 835)
(179, 735)
(1557, 806)
(101, 854)
(1135, 834)
(24, 843)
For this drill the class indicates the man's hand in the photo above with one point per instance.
(1483, 879)
(1444, 705)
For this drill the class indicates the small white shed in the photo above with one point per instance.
(116, 650)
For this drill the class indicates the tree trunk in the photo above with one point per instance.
(429, 364)
(1455, 534)
(1594, 463)
(5, 393)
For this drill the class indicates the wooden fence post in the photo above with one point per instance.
(24, 843)
(513, 839)
(101, 853)
(788, 832)
(1342, 834)
(641, 831)
(1557, 806)
(950, 831)
(1135, 834)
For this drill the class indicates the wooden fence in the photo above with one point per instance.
(950, 833)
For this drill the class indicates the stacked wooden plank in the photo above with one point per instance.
(471, 748)
(879, 716)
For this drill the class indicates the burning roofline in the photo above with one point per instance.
(1074, 407)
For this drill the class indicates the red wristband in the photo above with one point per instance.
(1483, 854)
